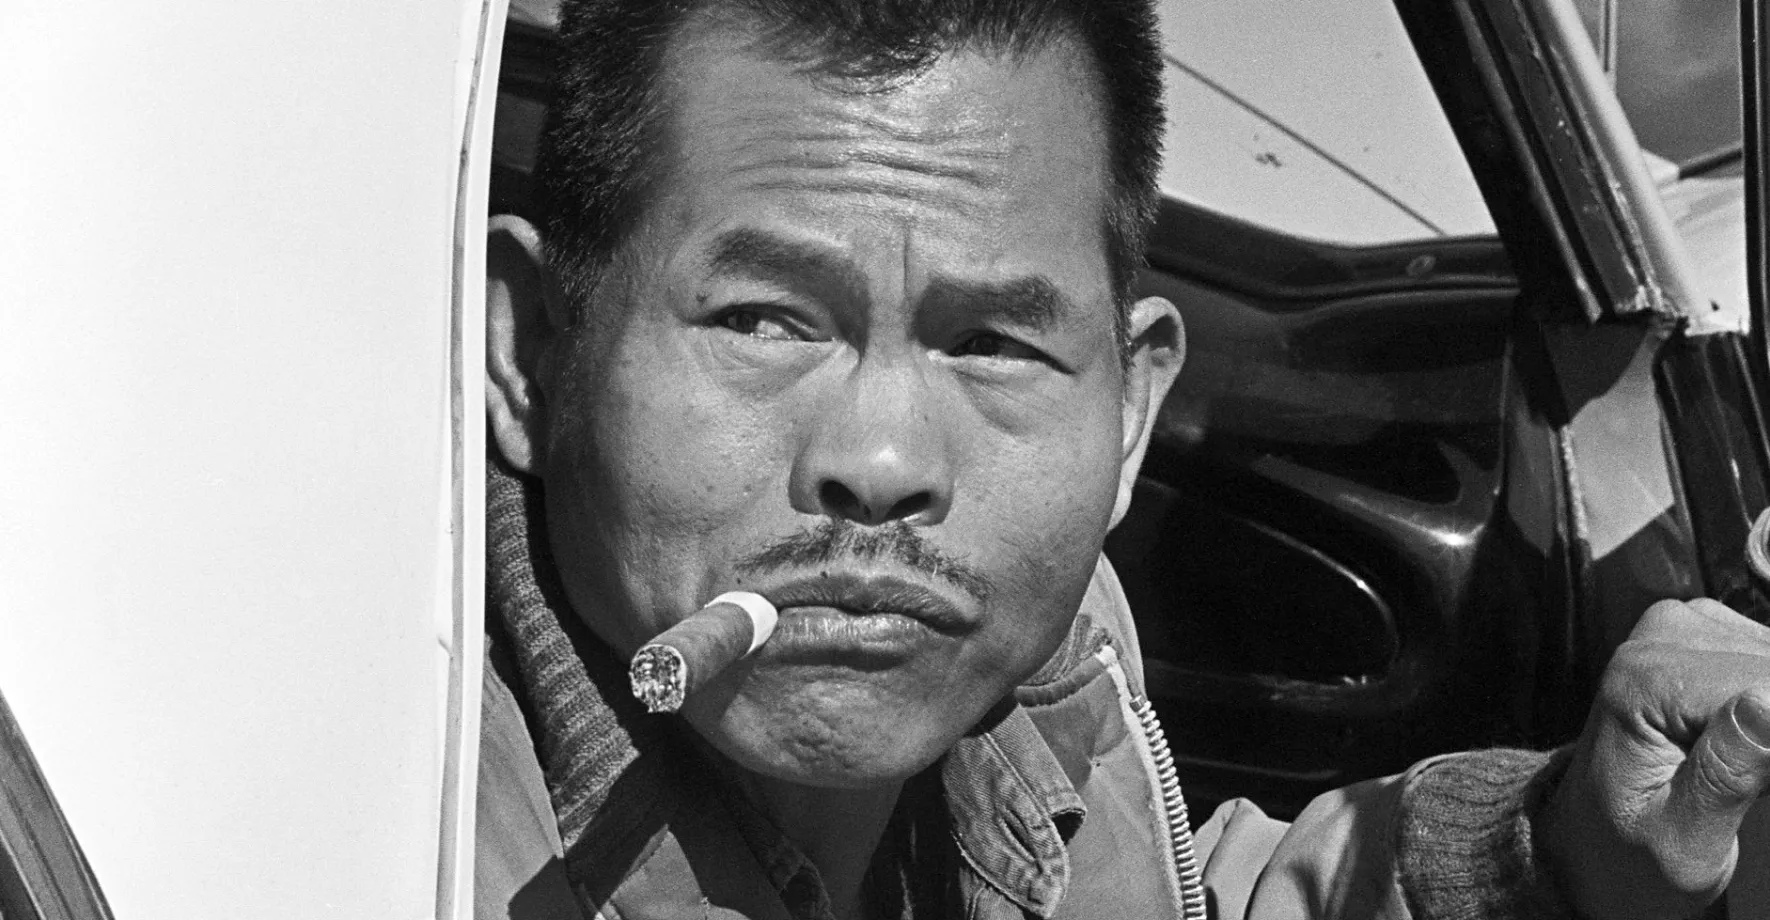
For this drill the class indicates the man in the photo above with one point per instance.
(833, 304)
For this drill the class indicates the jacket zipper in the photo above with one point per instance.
(1192, 887)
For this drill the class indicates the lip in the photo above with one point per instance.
(864, 619)
(874, 595)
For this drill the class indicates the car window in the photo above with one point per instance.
(1675, 67)
(1313, 118)
(1675, 64)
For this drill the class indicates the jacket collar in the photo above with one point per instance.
(1013, 810)
(1013, 798)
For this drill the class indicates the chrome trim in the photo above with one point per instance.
(1586, 168)
(1754, 61)
(38, 852)
(465, 638)
(1615, 157)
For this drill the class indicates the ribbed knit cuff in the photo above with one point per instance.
(1463, 837)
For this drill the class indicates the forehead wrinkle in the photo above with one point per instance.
(836, 165)
(888, 172)
(938, 136)
(759, 124)
(920, 125)
(882, 191)
(987, 175)
(822, 140)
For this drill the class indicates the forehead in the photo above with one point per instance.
(976, 139)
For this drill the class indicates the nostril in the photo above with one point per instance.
(911, 506)
(841, 501)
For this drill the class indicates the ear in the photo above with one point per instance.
(1158, 348)
(524, 317)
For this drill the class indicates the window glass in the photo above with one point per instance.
(1676, 66)
(1314, 118)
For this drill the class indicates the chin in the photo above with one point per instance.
(826, 745)
(834, 774)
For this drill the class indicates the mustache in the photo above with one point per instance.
(832, 541)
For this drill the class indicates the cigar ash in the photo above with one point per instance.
(659, 677)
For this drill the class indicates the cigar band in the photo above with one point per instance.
(763, 616)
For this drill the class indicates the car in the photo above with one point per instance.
(1477, 360)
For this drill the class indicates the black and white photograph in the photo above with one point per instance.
(885, 460)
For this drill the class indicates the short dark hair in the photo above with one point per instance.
(597, 156)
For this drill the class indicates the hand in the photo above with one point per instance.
(1645, 823)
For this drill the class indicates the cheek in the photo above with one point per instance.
(1048, 512)
(1046, 495)
(670, 445)
(651, 479)
(682, 466)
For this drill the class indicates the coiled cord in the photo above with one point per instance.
(1192, 886)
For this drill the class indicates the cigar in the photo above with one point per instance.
(691, 653)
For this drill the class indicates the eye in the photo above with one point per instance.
(996, 345)
(758, 323)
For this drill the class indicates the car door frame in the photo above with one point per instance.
(1594, 220)
(1754, 38)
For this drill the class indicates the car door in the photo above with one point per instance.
(1458, 404)
(239, 557)
(1658, 397)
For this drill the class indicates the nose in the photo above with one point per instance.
(876, 453)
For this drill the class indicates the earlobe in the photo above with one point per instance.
(522, 318)
(1158, 348)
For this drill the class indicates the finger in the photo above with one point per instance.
(1660, 691)
(1701, 624)
(1733, 623)
(1728, 768)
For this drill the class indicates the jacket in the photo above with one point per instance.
(1062, 807)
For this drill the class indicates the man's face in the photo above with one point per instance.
(860, 358)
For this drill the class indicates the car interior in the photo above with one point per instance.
(1352, 543)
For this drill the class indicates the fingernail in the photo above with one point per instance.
(1751, 712)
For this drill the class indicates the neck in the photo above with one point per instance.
(837, 829)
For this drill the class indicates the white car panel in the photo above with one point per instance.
(1359, 153)
(230, 590)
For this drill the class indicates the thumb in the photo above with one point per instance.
(1719, 782)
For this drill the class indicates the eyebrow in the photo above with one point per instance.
(798, 266)
(1032, 302)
